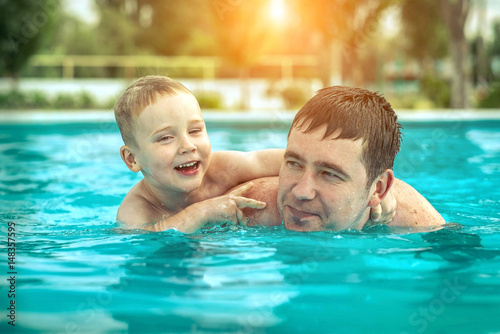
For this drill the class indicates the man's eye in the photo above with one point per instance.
(293, 164)
(194, 131)
(330, 175)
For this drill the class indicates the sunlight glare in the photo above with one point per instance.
(277, 10)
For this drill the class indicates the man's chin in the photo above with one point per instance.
(300, 225)
(301, 221)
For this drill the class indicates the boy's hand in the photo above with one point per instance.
(385, 211)
(227, 208)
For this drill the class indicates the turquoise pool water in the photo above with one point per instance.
(73, 272)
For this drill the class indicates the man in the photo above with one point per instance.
(338, 164)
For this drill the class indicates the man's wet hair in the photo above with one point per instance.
(355, 113)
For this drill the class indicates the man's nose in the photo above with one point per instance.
(305, 188)
(186, 146)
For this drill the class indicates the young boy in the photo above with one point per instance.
(184, 185)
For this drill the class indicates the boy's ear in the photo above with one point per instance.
(382, 186)
(129, 159)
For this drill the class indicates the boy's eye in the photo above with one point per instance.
(195, 131)
(165, 138)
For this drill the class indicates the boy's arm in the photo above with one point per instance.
(138, 213)
(412, 209)
(247, 166)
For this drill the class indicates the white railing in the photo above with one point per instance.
(207, 65)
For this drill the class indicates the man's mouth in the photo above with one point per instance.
(301, 221)
(301, 215)
(188, 167)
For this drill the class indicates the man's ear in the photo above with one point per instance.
(382, 186)
(128, 158)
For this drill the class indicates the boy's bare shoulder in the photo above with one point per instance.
(136, 210)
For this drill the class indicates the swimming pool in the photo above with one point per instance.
(61, 185)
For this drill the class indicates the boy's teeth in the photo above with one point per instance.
(187, 165)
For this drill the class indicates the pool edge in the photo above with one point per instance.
(97, 116)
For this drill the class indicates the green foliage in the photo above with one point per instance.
(495, 45)
(493, 98)
(209, 100)
(113, 35)
(243, 31)
(12, 100)
(350, 25)
(423, 24)
(85, 100)
(23, 26)
(117, 34)
(437, 90)
(20, 100)
(108, 104)
(38, 100)
(409, 101)
(176, 27)
(64, 101)
(494, 50)
(294, 96)
(16, 99)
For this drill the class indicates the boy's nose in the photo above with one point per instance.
(186, 147)
(304, 189)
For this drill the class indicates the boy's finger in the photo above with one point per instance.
(375, 213)
(243, 202)
(241, 190)
(242, 220)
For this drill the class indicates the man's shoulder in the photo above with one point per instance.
(413, 209)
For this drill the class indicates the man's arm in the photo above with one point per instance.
(412, 209)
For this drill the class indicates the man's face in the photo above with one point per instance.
(322, 183)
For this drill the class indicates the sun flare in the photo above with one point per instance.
(277, 10)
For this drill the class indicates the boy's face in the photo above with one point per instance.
(173, 149)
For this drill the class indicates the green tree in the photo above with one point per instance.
(494, 51)
(344, 27)
(427, 42)
(23, 26)
(491, 97)
(173, 27)
(455, 14)
(176, 27)
(425, 31)
(244, 32)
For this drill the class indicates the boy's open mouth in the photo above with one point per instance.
(188, 167)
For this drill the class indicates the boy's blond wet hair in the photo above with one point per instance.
(142, 93)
